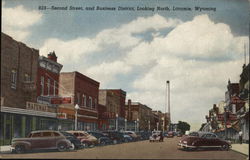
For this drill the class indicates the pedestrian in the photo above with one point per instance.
(240, 136)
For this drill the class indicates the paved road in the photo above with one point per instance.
(136, 150)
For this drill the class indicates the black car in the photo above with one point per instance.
(102, 138)
(145, 135)
(115, 136)
(76, 143)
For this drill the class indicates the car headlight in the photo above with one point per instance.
(184, 141)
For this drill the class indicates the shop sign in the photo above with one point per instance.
(61, 100)
(62, 115)
(36, 106)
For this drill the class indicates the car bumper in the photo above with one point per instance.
(182, 145)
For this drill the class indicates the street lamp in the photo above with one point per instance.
(138, 124)
(125, 124)
(157, 125)
(163, 125)
(135, 126)
(76, 109)
(116, 128)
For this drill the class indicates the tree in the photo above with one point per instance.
(183, 127)
(202, 125)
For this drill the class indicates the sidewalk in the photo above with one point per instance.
(5, 149)
(241, 148)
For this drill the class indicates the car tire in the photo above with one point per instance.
(72, 147)
(102, 143)
(85, 144)
(115, 141)
(19, 149)
(62, 147)
(225, 147)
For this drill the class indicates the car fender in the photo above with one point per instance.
(26, 144)
(65, 141)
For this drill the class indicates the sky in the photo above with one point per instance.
(139, 50)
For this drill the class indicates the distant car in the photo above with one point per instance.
(42, 139)
(179, 134)
(157, 136)
(145, 135)
(133, 135)
(127, 138)
(76, 143)
(170, 134)
(203, 140)
(86, 139)
(102, 139)
(115, 136)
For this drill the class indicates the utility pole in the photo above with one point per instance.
(168, 100)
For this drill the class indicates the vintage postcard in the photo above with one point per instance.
(125, 79)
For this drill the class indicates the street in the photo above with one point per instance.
(135, 150)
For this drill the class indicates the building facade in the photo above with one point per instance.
(20, 112)
(84, 92)
(114, 100)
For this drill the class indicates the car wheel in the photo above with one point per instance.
(85, 144)
(102, 143)
(225, 147)
(115, 141)
(62, 147)
(20, 149)
(72, 147)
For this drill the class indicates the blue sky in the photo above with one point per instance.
(138, 51)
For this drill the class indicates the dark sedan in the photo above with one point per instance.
(204, 140)
(76, 143)
(102, 139)
(115, 136)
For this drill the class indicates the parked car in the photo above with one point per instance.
(203, 140)
(102, 139)
(157, 136)
(86, 139)
(127, 138)
(115, 136)
(170, 134)
(179, 134)
(134, 136)
(75, 142)
(42, 139)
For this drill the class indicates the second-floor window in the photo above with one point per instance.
(13, 78)
(54, 88)
(48, 85)
(84, 100)
(90, 102)
(42, 85)
(27, 77)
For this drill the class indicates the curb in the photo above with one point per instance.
(240, 152)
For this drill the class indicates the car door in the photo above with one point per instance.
(48, 139)
(36, 140)
(215, 141)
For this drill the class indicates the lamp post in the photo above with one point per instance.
(138, 124)
(225, 121)
(76, 109)
(163, 125)
(125, 124)
(135, 126)
(116, 128)
(157, 125)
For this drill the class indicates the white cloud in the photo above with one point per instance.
(18, 20)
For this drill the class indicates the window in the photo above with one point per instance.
(78, 98)
(42, 85)
(48, 84)
(90, 102)
(95, 103)
(47, 134)
(56, 134)
(84, 101)
(36, 134)
(54, 88)
(55, 69)
(26, 77)
(13, 78)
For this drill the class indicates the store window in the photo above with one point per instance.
(27, 77)
(13, 78)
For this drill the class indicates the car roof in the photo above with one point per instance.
(71, 131)
(37, 131)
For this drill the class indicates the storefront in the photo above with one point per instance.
(17, 122)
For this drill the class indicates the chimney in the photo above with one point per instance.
(52, 56)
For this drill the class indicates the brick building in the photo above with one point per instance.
(138, 116)
(84, 92)
(114, 100)
(20, 112)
